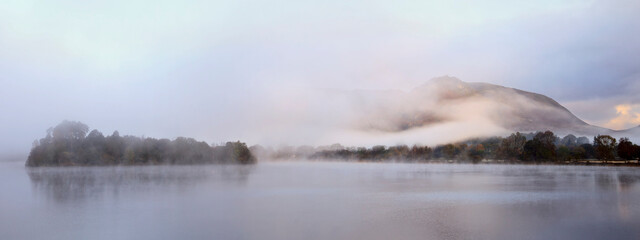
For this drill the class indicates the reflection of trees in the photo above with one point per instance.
(85, 183)
(622, 185)
(625, 184)
(605, 181)
(621, 181)
(628, 180)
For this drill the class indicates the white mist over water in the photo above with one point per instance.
(318, 200)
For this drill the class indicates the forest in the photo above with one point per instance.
(68, 144)
(540, 147)
(71, 144)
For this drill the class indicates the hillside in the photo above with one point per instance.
(448, 99)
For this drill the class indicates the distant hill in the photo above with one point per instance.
(630, 132)
(446, 99)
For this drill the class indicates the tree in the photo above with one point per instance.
(541, 147)
(564, 154)
(419, 153)
(583, 140)
(68, 144)
(547, 147)
(492, 147)
(92, 150)
(114, 148)
(476, 153)
(449, 151)
(578, 152)
(530, 150)
(512, 147)
(589, 151)
(398, 152)
(378, 152)
(569, 141)
(233, 152)
(605, 147)
(241, 153)
(625, 149)
(70, 130)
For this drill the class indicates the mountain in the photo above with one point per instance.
(448, 99)
(630, 132)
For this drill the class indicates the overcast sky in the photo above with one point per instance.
(201, 68)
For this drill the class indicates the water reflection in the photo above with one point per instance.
(85, 183)
(326, 201)
(626, 183)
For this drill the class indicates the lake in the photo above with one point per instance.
(320, 200)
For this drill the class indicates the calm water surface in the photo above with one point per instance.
(302, 200)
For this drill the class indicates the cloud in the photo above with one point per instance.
(628, 116)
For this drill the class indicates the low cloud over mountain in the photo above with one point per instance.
(450, 99)
(445, 109)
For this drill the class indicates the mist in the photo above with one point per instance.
(258, 72)
(327, 117)
(336, 201)
(307, 119)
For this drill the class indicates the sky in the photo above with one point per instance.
(205, 69)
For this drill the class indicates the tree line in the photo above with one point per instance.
(518, 147)
(68, 144)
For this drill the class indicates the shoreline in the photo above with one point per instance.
(591, 162)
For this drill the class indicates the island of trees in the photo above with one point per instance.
(68, 144)
(541, 147)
